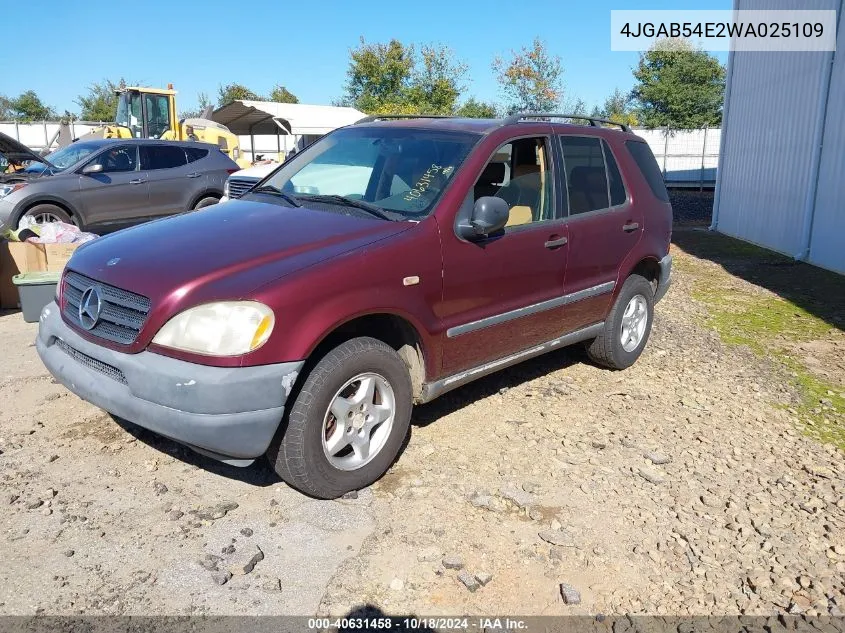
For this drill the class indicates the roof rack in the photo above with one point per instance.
(594, 121)
(387, 117)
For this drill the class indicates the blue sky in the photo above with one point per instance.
(197, 46)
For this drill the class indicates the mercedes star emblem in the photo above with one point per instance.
(90, 308)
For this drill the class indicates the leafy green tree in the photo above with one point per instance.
(531, 80)
(378, 76)
(5, 108)
(203, 102)
(100, 104)
(280, 94)
(28, 106)
(679, 86)
(235, 92)
(437, 80)
(393, 78)
(474, 109)
(617, 107)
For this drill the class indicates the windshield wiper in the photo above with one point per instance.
(276, 192)
(349, 202)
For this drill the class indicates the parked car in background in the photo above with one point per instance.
(382, 266)
(242, 181)
(105, 184)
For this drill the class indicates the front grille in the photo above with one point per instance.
(92, 363)
(123, 313)
(239, 186)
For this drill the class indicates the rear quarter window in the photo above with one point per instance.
(195, 153)
(645, 160)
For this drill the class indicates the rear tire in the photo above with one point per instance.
(627, 327)
(358, 394)
(205, 202)
(46, 212)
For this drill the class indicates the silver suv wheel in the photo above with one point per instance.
(358, 421)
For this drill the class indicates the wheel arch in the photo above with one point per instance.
(649, 268)
(389, 327)
(26, 205)
(205, 193)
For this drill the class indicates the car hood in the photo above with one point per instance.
(18, 152)
(22, 176)
(225, 251)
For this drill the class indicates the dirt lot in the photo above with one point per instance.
(705, 479)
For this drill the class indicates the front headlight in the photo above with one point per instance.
(228, 328)
(5, 190)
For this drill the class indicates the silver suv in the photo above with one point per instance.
(104, 184)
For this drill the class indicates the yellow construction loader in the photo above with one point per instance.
(151, 113)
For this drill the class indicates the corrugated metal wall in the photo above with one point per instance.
(827, 248)
(768, 143)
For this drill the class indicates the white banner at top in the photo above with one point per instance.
(716, 30)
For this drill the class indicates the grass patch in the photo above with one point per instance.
(769, 325)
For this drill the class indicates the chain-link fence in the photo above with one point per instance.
(688, 158)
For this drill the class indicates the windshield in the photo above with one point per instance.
(399, 170)
(129, 112)
(66, 156)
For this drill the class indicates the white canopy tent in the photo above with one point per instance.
(262, 124)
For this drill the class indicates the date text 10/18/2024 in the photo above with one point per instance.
(422, 623)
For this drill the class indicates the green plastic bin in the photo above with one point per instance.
(36, 290)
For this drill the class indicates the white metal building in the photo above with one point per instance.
(781, 178)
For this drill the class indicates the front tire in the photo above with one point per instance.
(627, 327)
(45, 212)
(348, 422)
(205, 202)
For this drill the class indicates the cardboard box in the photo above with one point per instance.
(16, 258)
(58, 256)
(24, 257)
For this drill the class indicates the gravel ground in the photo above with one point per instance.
(691, 207)
(679, 486)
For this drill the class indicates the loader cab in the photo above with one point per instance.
(147, 113)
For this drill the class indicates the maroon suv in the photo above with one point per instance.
(387, 263)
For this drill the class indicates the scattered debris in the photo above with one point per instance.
(453, 561)
(483, 577)
(651, 476)
(569, 594)
(561, 538)
(209, 562)
(221, 577)
(469, 581)
(657, 458)
(246, 560)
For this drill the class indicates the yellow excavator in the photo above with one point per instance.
(151, 113)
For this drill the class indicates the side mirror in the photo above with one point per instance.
(92, 168)
(489, 215)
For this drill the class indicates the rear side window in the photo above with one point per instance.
(648, 166)
(586, 175)
(614, 178)
(162, 157)
(195, 153)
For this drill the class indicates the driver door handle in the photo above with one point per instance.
(137, 181)
(630, 227)
(556, 242)
(196, 174)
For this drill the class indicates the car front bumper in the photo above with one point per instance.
(230, 414)
(665, 278)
